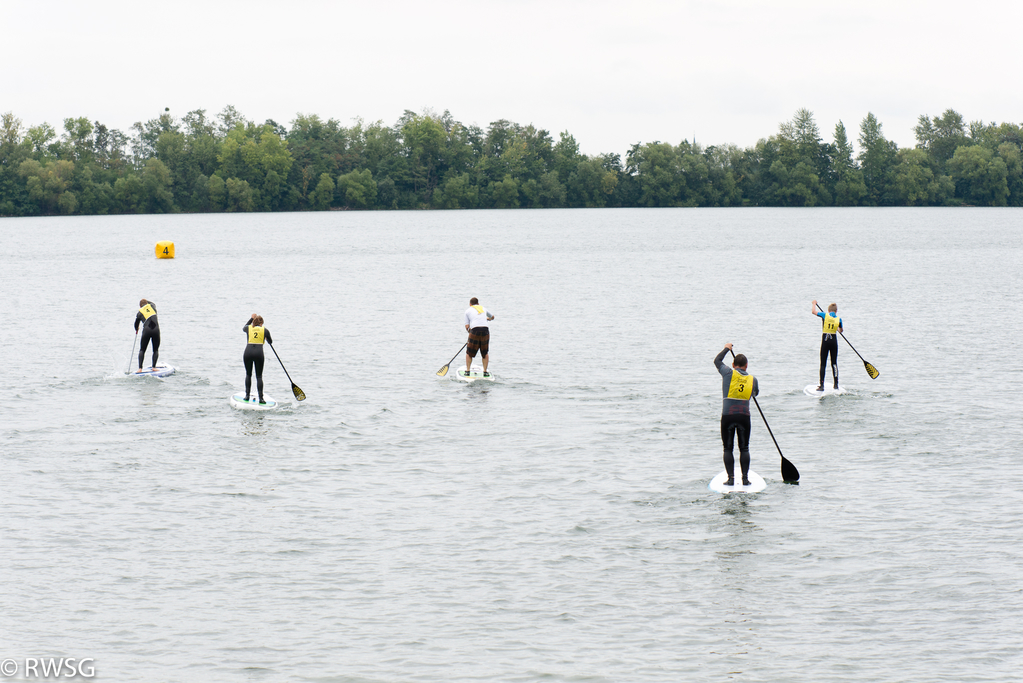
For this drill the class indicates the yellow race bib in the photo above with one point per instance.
(741, 386)
(830, 323)
(255, 334)
(479, 309)
(147, 311)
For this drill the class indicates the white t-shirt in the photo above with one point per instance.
(474, 319)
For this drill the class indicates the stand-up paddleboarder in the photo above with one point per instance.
(476, 318)
(146, 317)
(832, 327)
(737, 387)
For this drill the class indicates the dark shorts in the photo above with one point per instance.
(479, 340)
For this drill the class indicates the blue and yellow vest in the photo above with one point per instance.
(830, 324)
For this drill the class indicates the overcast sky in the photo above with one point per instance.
(611, 73)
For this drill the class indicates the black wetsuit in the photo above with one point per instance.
(829, 345)
(253, 358)
(150, 333)
(735, 420)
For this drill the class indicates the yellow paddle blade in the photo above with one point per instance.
(871, 370)
(443, 371)
(299, 394)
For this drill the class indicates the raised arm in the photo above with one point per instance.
(721, 356)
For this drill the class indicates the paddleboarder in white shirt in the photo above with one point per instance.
(476, 318)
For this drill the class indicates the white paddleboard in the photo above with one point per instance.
(829, 390)
(238, 401)
(475, 374)
(158, 371)
(756, 482)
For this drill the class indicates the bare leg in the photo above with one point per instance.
(468, 363)
(486, 362)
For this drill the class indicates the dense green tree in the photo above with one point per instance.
(130, 194)
(157, 184)
(940, 136)
(423, 143)
(323, 195)
(551, 192)
(722, 188)
(1013, 159)
(48, 183)
(590, 184)
(504, 194)
(916, 183)
(240, 196)
(456, 192)
(849, 188)
(980, 177)
(43, 142)
(14, 149)
(216, 191)
(358, 189)
(96, 197)
(660, 174)
(877, 160)
(77, 144)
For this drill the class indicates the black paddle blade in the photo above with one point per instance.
(443, 371)
(789, 473)
(871, 370)
(299, 394)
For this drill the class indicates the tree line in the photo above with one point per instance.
(228, 163)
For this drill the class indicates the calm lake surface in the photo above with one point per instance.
(554, 525)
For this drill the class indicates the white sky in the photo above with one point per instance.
(611, 73)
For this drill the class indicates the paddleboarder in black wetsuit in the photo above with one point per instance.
(150, 331)
(737, 386)
(253, 357)
(832, 327)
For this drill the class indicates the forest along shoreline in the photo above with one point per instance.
(227, 163)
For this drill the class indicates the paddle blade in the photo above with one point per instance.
(871, 370)
(443, 371)
(789, 472)
(299, 394)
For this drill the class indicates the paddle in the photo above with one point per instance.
(128, 371)
(299, 394)
(789, 473)
(871, 370)
(444, 370)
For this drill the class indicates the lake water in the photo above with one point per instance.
(554, 525)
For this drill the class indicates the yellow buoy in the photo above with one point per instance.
(164, 250)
